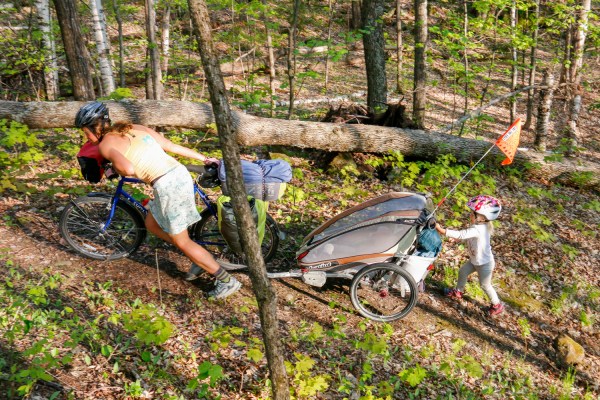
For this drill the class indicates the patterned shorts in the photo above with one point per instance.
(174, 203)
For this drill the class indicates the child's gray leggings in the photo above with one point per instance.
(484, 272)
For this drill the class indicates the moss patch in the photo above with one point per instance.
(523, 301)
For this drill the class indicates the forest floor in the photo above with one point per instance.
(538, 282)
(545, 285)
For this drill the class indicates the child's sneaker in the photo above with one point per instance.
(224, 289)
(454, 293)
(495, 309)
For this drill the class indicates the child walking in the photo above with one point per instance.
(485, 209)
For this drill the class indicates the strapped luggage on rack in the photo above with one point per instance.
(228, 224)
(264, 179)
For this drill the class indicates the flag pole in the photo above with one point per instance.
(461, 179)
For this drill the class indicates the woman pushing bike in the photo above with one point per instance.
(136, 150)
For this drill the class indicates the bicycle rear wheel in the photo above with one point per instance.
(81, 224)
(383, 292)
(206, 232)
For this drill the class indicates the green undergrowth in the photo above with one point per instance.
(49, 326)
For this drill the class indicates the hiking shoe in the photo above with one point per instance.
(224, 289)
(193, 273)
(454, 293)
(495, 309)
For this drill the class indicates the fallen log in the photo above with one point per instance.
(255, 131)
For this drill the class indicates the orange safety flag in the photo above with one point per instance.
(509, 141)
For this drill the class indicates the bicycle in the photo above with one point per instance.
(105, 226)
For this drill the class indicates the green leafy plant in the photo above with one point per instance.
(18, 147)
(148, 325)
(206, 371)
(305, 385)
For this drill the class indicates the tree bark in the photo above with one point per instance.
(166, 38)
(399, 46)
(543, 116)
(579, 34)
(515, 60)
(355, 17)
(101, 37)
(75, 50)
(329, 44)
(374, 43)
(255, 131)
(532, 65)
(271, 58)
(291, 56)
(51, 71)
(420, 66)
(263, 291)
(117, 10)
(466, 55)
(154, 87)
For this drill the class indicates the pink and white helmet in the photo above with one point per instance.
(487, 206)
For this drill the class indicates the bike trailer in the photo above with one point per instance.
(375, 231)
(264, 179)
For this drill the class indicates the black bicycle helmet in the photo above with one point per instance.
(90, 113)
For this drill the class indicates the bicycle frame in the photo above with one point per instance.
(122, 195)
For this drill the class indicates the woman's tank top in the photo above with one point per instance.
(149, 159)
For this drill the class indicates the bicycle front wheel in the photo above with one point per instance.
(383, 292)
(82, 226)
(206, 232)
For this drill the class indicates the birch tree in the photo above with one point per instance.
(166, 37)
(154, 86)
(578, 44)
(102, 47)
(51, 67)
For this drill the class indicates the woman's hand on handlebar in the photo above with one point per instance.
(212, 160)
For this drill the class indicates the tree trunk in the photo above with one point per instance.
(263, 291)
(515, 60)
(466, 54)
(75, 50)
(271, 58)
(532, 66)
(374, 43)
(254, 131)
(355, 17)
(291, 57)
(543, 117)
(51, 70)
(329, 44)
(154, 87)
(117, 11)
(165, 38)
(106, 73)
(420, 67)
(399, 46)
(579, 34)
